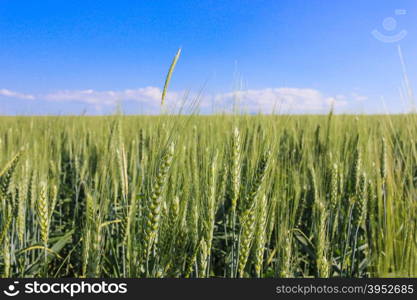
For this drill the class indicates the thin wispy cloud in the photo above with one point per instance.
(352, 97)
(17, 95)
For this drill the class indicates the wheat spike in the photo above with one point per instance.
(43, 215)
(154, 209)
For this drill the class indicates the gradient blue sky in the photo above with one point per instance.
(66, 57)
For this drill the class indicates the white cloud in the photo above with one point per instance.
(280, 99)
(268, 100)
(13, 94)
(265, 100)
(147, 95)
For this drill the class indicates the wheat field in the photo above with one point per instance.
(208, 196)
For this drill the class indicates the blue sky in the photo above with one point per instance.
(69, 57)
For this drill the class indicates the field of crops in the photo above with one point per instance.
(208, 196)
